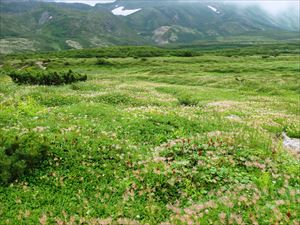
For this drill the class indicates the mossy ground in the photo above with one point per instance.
(175, 140)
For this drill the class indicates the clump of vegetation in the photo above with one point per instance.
(186, 100)
(102, 62)
(20, 155)
(143, 59)
(186, 53)
(1, 59)
(46, 78)
(293, 131)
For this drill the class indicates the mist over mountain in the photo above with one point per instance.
(48, 25)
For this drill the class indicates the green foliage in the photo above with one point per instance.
(19, 155)
(264, 181)
(102, 62)
(293, 131)
(186, 100)
(46, 78)
(186, 53)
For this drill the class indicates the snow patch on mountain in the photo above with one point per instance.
(121, 11)
(214, 9)
(87, 2)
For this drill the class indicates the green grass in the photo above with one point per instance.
(180, 140)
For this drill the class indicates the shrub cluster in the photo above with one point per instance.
(184, 53)
(102, 62)
(19, 155)
(119, 52)
(45, 77)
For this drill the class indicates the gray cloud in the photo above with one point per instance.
(272, 6)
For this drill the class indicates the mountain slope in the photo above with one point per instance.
(52, 26)
(55, 26)
(203, 20)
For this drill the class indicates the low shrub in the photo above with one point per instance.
(102, 62)
(293, 131)
(45, 77)
(184, 53)
(187, 100)
(19, 155)
(115, 99)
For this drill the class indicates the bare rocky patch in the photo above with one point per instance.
(291, 144)
(74, 44)
(11, 45)
(41, 65)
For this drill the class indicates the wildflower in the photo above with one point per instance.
(229, 204)
(239, 219)
(198, 207)
(293, 193)
(253, 220)
(189, 211)
(174, 209)
(242, 199)
(281, 191)
(27, 213)
(59, 222)
(210, 204)
(39, 129)
(222, 217)
(277, 214)
(104, 221)
(127, 221)
(43, 219)
(255, 198)
(279, 202)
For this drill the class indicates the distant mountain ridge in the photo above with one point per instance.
(32, 25)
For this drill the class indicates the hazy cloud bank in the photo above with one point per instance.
(272, 6)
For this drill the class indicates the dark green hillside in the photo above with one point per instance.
(35, 25)
(53, 27)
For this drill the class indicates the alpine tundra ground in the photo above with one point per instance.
(156, 140)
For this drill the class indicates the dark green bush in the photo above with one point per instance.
(19, 155)
(2, 59)
(187, 100)
(184, 53)
(45, 77)
(101, 61)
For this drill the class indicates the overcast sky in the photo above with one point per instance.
(273, 6)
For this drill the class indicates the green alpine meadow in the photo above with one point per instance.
(157, 121)
(152, 140)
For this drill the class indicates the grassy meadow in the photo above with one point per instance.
(167, 139)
